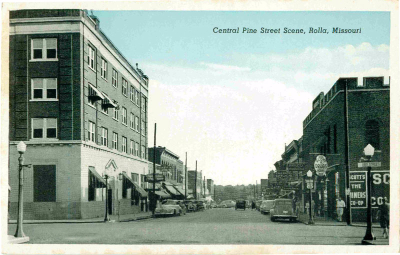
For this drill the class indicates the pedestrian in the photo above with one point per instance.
(383, 217)
(340, 207)
(253, 205)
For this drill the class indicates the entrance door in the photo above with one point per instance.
(109, 201)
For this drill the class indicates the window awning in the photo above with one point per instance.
(180, 190)
(163, 194)
(170, 188)
(92, 169)
(141, 191)
(108, 102)
(94, 93)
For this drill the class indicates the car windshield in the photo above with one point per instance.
(283, 202)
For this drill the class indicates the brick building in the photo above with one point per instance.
(81, 108)
(368, 105)
(191, 175)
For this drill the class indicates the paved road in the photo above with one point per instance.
(215, 226)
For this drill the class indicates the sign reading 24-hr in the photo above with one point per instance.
(379, 190)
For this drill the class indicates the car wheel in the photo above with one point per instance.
(272, 219)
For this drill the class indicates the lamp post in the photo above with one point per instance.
(310, 186)
(106, 215)
(369, 236)
(21, 148)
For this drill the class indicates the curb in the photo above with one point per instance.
(77, 221)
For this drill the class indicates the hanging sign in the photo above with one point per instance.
(320, 165)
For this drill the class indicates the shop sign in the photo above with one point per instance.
(295, 166)
(320, 165)
(150, 178)
(379, 190)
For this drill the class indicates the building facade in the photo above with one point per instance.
(81, 108)
(324, 133)
(210, 187)
(195, 188)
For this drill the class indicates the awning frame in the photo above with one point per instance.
(94, 93)
(108, 102)
(141, 191)
(92, 169)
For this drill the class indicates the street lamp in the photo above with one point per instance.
(21, 148)
(310, 186)
(106, 177)
(369, 152)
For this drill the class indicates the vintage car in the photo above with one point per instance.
(200, 205)
(190, 205)
(266, 206)
(182, 205)
(258, 203)
(282, 209)
(240, 204)
(168, 207)
(227, 204)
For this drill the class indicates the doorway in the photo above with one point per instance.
(109, 201)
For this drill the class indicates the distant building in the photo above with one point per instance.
(195, 188)
(210, 187)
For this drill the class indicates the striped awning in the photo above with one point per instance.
(94, 93)
(141, 191)
(163, 194)
(108, 102)
(92, 169)
(170, 188)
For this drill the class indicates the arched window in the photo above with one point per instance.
(372, 133)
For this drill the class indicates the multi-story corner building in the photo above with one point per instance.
(195, 187)
(324, 132)
(170, 164)
(81, 108)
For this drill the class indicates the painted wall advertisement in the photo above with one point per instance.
(379, 190)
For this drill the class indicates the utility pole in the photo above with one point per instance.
(346, 155)
(204, 186)
(153, 199)
(186, 177)
(256, 189)
(195, 183)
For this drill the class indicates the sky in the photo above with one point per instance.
(232, 101)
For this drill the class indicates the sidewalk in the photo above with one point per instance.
(321, 221)
(112, 218)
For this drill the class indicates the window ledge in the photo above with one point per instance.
(44, 60)
(115, 119)
(91, 68)
(43, 100)
(124, 124)
(45, 139)
(104, 78)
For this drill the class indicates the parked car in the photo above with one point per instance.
(248, 204)
(240, 204)
(227, 204)
(282, 209)
(200, 205)
(168, 207)
(266, 206)
(258, 203)
(190, 205)
(182, 205)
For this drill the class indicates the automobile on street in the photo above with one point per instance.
(282, 209)
(266, 206)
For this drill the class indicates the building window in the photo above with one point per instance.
(137, 123)
(115, 114)
(44, 49)
(124, 144)
(91, 59)
(137, 149)
(124, 87)
(124, 113)
(44, 89)
(372, 134)
(126, 184)
(143, 152)
(142, 181)
(104, 109)
(132, 95)
(135, 177)
(103, 68)
(132, 148)
(142, 128)
(44, 183)
(335, 138)
(95, 188)
(137, 97)
(143, 104)
(44, 128)
(91, 132)
(132, 121)
(114, 78)
(104, 136)
(115, 141)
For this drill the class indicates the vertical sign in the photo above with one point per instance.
(380, 187)
(358, 189)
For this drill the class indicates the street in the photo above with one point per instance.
(215, 226)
